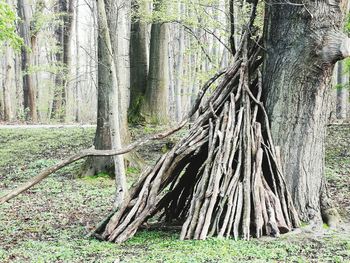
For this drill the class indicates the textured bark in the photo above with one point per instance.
(232, 25)
(6, 85)
(156, 100)
(138, 63)
(107, 132)
(108, 117)
(342, 91)
(302, 45)
(63, 58)
(118, 12)
(29, 98)
(77, 93)
(179, 68)
(119, 25)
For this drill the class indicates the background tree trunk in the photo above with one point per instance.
(156, 100)
(138, 62)
(342, 91)
(7, 82)
(29, 98)
(63, 58)
(297, 75)
(179, 68)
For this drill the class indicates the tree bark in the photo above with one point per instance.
(302, 43)
(156, 100)
(342, 91)
(118, 22)
(108, 116)
(77, 96)
(138, 63)
(108, 123)
(29, 98)
(180, 67)
(7, 82)
(63, 58)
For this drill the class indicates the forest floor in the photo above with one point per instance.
(49, 223)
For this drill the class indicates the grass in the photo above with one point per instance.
(49, 223)
(338, 166)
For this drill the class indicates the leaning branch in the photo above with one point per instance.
(92, 152)
(83, 154)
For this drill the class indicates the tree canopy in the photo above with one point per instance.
(8, 20)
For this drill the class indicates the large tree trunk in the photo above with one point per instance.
(302, 45)
(156, 100)
(138, 63)
(29, 98)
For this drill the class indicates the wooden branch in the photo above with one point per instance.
(86, 153)
(92, 152)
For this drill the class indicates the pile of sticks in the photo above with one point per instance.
(224, 178)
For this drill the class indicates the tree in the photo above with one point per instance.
(155, 107)
(108, 134)
(297, 78)
(138, 62)
(227, 176)
(63, 35)
(7, 26)
(6, 85)
(342, 91)
(29, 97)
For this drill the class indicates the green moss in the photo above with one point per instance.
(97, 176)
(134, 112)
(132, 170)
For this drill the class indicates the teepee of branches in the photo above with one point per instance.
(224, 178)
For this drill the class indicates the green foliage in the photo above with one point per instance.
(132, 170)
(25, 145)
(97, 176)
(7, 26)
(49, 223)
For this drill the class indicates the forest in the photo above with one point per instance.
(174, 131)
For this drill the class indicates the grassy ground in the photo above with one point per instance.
(49, 223)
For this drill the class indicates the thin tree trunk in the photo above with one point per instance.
(180, 67)
(7, 81)
(77, 66)
(342, 91)
(232, 26)
(297, 75)
(108, 124)
(108, 119)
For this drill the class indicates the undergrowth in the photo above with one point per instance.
(50, 222)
